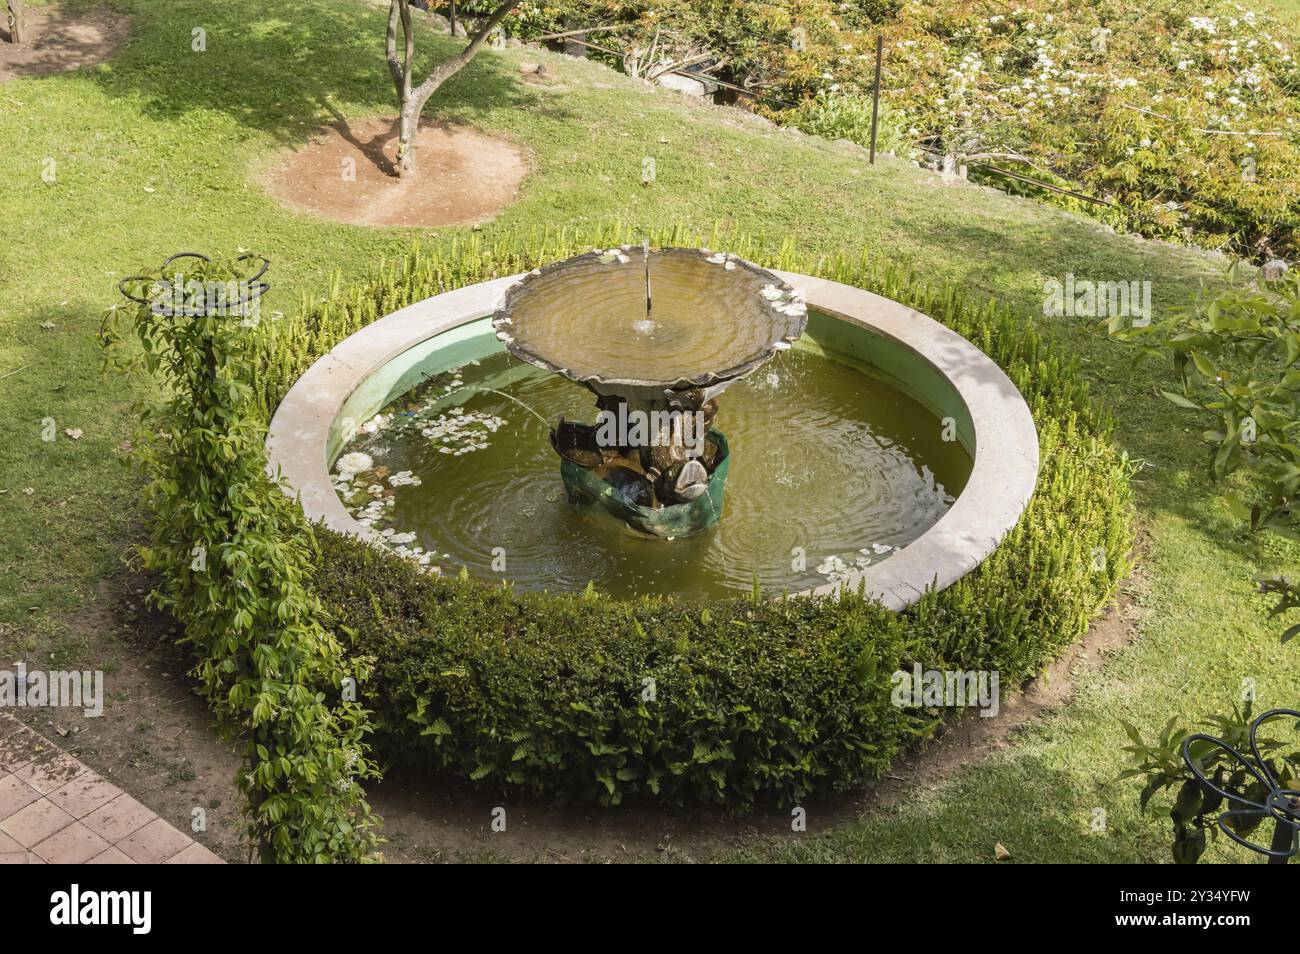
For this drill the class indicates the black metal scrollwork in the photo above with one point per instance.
(1281, 804)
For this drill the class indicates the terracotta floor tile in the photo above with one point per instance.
(19, 748)
(195, 854)
(154, 843)
(113, 856)
(74, 845)
(15, 794)
(35, 823)
(114, 820)
(50, 770)
(84, 794)
(43, 793)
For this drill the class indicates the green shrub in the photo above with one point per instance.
(1237, 354)
(595, 698)
(233, 556)
(1197, 809)
(848, 116)
(753, 698)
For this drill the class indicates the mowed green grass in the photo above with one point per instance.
(157, 152)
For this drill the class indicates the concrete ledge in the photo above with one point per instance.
(993, 423)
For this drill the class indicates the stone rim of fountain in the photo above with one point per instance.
(1004, 444)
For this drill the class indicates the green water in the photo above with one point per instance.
(827, 461)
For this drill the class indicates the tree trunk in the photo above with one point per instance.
(409, 127)
(411, 101)
(17, 23)
(409, 118)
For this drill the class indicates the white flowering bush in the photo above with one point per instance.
(1184, 115)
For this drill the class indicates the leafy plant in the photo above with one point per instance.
(1196, 809)
(235, 558)
(848, 116)
(1237, 354)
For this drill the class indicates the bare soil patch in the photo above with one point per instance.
(348, 172)
(536, 74)
(156, 738)
(60, 42)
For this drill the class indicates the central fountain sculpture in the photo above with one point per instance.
(673, 328)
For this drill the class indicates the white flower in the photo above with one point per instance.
(354, 463)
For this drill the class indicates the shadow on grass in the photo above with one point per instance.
(287, 70)
(1038, 813)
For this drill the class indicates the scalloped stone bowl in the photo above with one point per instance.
(715, 318)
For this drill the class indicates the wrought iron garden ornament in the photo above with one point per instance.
(249, 289)
(1281, 803)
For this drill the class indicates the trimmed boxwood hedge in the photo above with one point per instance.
(592, 697)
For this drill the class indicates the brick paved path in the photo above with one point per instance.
(54, 810)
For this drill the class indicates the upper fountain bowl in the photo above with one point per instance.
(714, 318)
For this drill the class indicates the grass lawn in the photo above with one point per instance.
(156, 151)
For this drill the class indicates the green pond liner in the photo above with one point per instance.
(589, 492)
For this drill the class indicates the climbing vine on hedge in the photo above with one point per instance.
(234, 558)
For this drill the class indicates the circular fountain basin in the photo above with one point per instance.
(962, 390)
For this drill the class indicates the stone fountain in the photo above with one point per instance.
(656, 335)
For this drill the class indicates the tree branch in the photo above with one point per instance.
(408, 65)
(390, 44)
(453, 66)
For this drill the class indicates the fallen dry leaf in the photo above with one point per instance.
(1000, 852)
(73, 432)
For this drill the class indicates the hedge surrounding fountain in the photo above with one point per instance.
(733, 700)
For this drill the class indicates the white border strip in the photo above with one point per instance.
(1001, 481)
